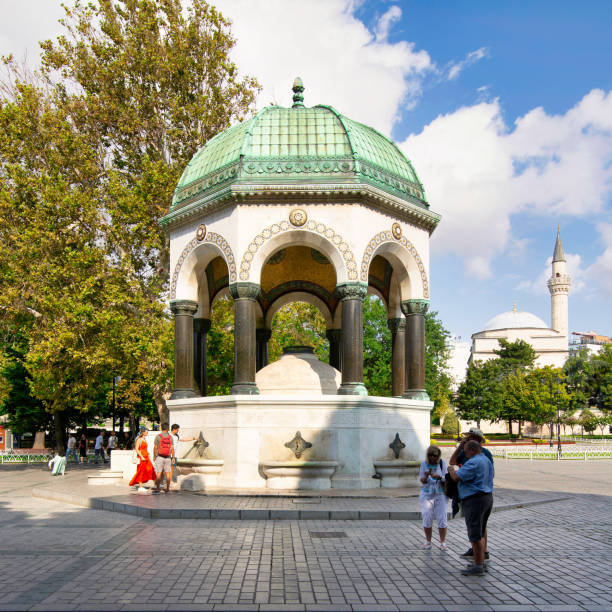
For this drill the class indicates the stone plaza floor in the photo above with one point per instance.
(553, 553)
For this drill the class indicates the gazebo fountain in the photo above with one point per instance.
(300, 204)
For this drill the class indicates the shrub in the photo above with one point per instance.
(450, 425)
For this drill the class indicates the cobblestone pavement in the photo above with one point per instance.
(553, 556)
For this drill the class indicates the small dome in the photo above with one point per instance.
(285, 145)
(299, 370)
(514, 319)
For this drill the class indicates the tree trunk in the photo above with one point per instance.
(509, 428)
(162, 407)
(132, 421)
(58, 422)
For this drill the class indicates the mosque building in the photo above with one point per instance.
(550, 343)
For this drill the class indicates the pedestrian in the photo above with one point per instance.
(164, 455)
(99, 448)
(57, 465)
(71, 448)
(145, 470)
(83, 449)
(433, 500)
(128, 443)
(475, 483)
(459, 458)
(112, 443)
(174, 432)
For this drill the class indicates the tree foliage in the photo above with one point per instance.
(88, 163)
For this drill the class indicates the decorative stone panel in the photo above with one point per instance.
(212, 238)
(387, 236)
(311, 226)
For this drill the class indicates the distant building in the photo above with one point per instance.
(550, 343)
(459, 354)
(589, 341)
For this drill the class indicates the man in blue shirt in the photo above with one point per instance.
(475, 478)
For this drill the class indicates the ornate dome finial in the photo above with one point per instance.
(298, 93)
(514, 306)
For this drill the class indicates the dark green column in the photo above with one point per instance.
(352, 295)
(262, 337)
(245, 301)
(200, 331)
(335, 348)
(398, 355)
(414, 311)
(183, 311)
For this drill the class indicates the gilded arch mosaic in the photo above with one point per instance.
(210, 237)
(387, 236)
(312, 226)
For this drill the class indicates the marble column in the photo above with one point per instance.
(414, 311)
(200, 331)
(398, 355)
(245, 301)
(183, 311)
(352, 295)
(262, 337)
(335, 348)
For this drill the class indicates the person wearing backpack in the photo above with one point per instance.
(433, 500)
(163, 452)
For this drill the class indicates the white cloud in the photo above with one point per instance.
(600, 271)
(340, 60)
(477, 172)
(386, 21)
(472, 57)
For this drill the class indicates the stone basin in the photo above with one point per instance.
(313, 475)
(397, 473)
(198, 474)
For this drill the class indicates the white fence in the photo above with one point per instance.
(573, 452)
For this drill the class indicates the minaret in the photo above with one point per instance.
(558, 285)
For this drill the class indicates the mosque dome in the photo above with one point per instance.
(298, 371)
(515, 319)
(286, 146)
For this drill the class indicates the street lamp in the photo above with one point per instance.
(479, 398)
(550, 386)
(558, 394)
(116, 380)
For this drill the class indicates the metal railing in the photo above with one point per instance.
(547, 453)
(11, 457)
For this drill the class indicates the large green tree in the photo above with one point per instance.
(88, 163)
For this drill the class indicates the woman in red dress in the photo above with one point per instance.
(145, 470)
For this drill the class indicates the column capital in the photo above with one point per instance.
(244, 290)
(414, 306)
(262, 334)
(183, 307)
(351, 291)
(396, 324)
(201, 326)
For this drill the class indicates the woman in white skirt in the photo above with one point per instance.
(433, 501)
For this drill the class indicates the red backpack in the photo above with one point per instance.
(165, 445)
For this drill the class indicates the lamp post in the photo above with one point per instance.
(116, 379)
(559, 452)
(479, 398)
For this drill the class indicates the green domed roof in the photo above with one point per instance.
(295, 145)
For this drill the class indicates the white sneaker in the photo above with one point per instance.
(142, 490)
(443, 546)
(426, 546)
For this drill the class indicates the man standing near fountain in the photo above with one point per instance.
(174, 432)
(475, 478)
(163, 453)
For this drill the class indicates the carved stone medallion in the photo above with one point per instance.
(396, 230)
(298, 445)
(201, 232)
(298, 217)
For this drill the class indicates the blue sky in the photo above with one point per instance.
(504, 108)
